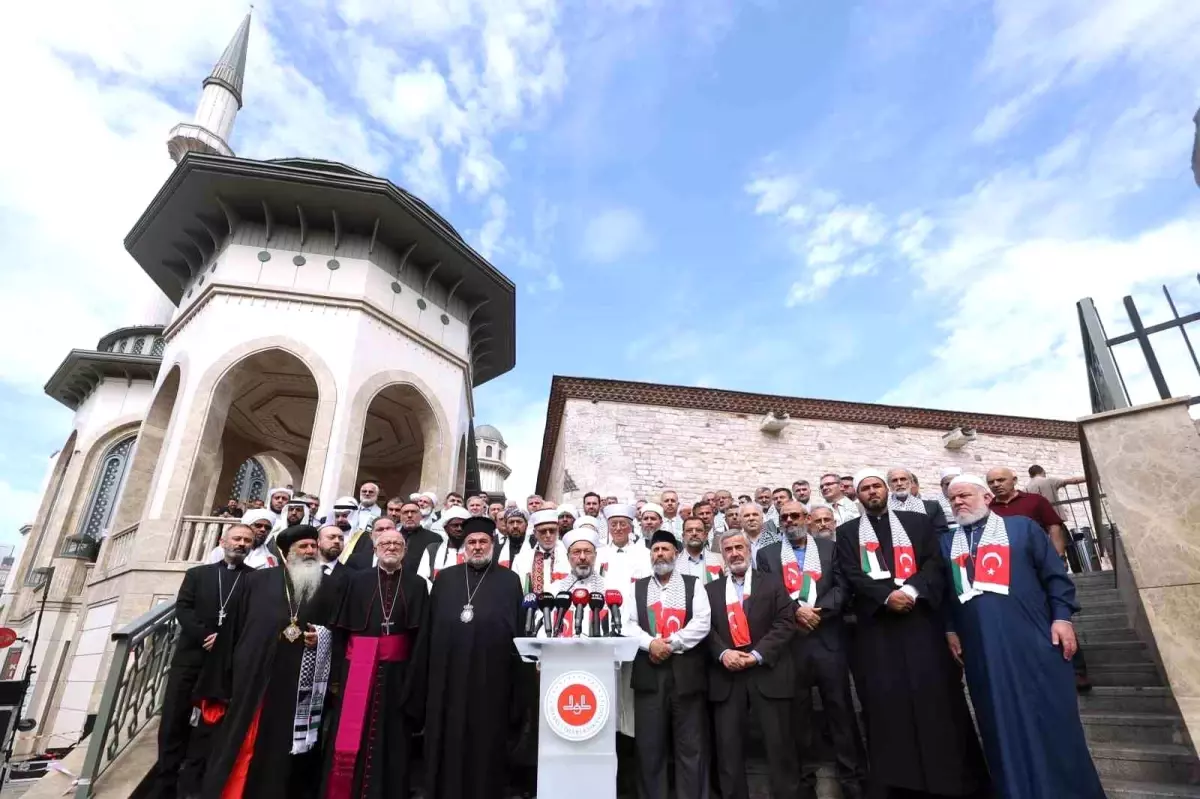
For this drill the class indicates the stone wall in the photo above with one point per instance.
(636, 451)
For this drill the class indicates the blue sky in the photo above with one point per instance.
(877, 201)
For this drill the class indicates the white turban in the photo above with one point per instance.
(587, 521)
(252, 516)
(568, 509)
(414, 497)
(651, 507)
(286, 491)
(544, 517)
(868, 473)
(951, 471)
(455, 512)
(432, 497)
(970, 479)
(583, 534)
(623, 511)
(346, 503)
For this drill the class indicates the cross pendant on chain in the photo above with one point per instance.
(220, 617)
(386, 627)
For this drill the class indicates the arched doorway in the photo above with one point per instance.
(265, 403)
(398, 432)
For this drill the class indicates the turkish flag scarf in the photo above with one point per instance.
(739, 625)
(992, 572)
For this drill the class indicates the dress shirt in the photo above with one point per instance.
(695, 631)
(692, 567)
(844, 510)
(675, 525)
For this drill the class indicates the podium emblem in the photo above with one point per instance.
(576, 706)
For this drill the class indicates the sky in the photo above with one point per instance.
(876, 201)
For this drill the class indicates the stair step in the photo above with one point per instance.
(1132, 728)
(1170, 763)
(1117, 699)
(1124, 789)
(1134, 674)
(1102, 621)
(1095, 578)
(1112, 653)
(1101, 605)
(1101, 635)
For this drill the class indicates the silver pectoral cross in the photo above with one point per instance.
(386, 627)
(220, 617)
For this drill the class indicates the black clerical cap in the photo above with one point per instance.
(664, 537)
(297, 532)
(479, 524)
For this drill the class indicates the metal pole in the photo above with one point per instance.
(1143, 339)
(29, 669)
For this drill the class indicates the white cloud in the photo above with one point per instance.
(521, 422)
(613, 235)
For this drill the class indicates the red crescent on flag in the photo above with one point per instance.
(999, 560)
(911, 561)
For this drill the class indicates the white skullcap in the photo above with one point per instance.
(583, 534)
(951, 471)
(252, 516)
(414, 497)
(544, 517)
(455, 512)
(587, 521)
(970, 479)
(868, 473)
(652, 507)
(565, 509)
(432, 497)
(623, 511)
(287, 491)
(346, 503)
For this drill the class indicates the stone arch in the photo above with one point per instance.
(201, 452)
(93, 455)
(49, 504)
(434, 429)
(149, 452)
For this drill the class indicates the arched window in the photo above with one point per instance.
(139, 345)
(488, 453)
(157, 348)
(250, 482)
(106, 490)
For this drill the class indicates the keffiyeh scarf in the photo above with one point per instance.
(310, 693)
(911, 503)
(991, 557)
(904, 556)
(801, 579)
(666, 606)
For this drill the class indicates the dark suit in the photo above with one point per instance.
(763, 692)
(820, 660)
(180, 766)
(937, 516)
(416, 542)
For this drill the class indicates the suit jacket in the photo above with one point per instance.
(772, 627)
(831, 591)
(198, 606)
(937, 516)
(416, 544)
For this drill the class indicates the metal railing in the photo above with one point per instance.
(133, 691)
(196, 536)
(1090, 531)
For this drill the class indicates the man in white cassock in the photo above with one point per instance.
(277, 501)
(261, 556)
(546, 562)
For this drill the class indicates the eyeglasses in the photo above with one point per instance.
(829, 485)
(390, 545)
(792, 517)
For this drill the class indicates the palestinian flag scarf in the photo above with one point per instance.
(666, 606)
(904, 556)
(800, 579)
(992, 572)
(739, 625)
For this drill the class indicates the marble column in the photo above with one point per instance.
(1148, 462)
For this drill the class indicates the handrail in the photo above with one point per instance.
(133, 691)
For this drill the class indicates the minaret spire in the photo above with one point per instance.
(212, 126)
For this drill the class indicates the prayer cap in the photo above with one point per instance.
(652, 507)
(568, 510)
(297, 532)
(275, 491)
(513, 513)
(618, 510)
(590, 522)
(544, 517)
(459, 512)
(252, 516)
(479, 524)
(346, 503)
(951, 471)
(663, 537)
(432, 497)
(582, 534)
(970, 479)
(869, 473)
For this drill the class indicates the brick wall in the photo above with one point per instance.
(636, 451)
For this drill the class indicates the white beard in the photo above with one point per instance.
(306, 578)
(970, 517)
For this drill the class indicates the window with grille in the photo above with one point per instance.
(107, 489)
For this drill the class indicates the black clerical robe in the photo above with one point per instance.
(416, 541)
(376, 629)
(255, 675)
(919, 731)
(468, 681)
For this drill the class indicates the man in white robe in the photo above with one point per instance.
(260, 556)
(277, 502)
(546, 562)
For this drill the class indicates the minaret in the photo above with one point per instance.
(209, 131)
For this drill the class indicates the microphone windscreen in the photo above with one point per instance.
(613, 597)
(580, 596)
(546, 600)
(562, 600)
(530, 602)
(596, 600)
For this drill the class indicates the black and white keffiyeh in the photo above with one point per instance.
(310, 693)
(910, 503)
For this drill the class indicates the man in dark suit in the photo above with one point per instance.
(814, 583)
(904, 496)
(208, 592)
(750, 670)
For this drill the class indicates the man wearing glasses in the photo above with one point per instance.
(844, 509)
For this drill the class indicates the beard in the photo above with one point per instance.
(581, 572)
(332, 553)
(797, 533)
(662, 568)
(739, 569)
(900, 495)
(970, 516)
(694, 546)
(343, 525)
(479, 561)
(306, 577)
(875, 505)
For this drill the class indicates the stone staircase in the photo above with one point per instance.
(1133, 726)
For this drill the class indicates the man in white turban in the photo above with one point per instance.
(919, 732)
(260, 556)
(543, 564)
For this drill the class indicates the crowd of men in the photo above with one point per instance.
(368, 651)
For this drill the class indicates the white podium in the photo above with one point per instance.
(579, 703)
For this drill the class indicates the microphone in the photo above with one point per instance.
(579, 598)
(530, 605)
(562, 601)
(546, 605)
(614, 600)
(596, 603)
